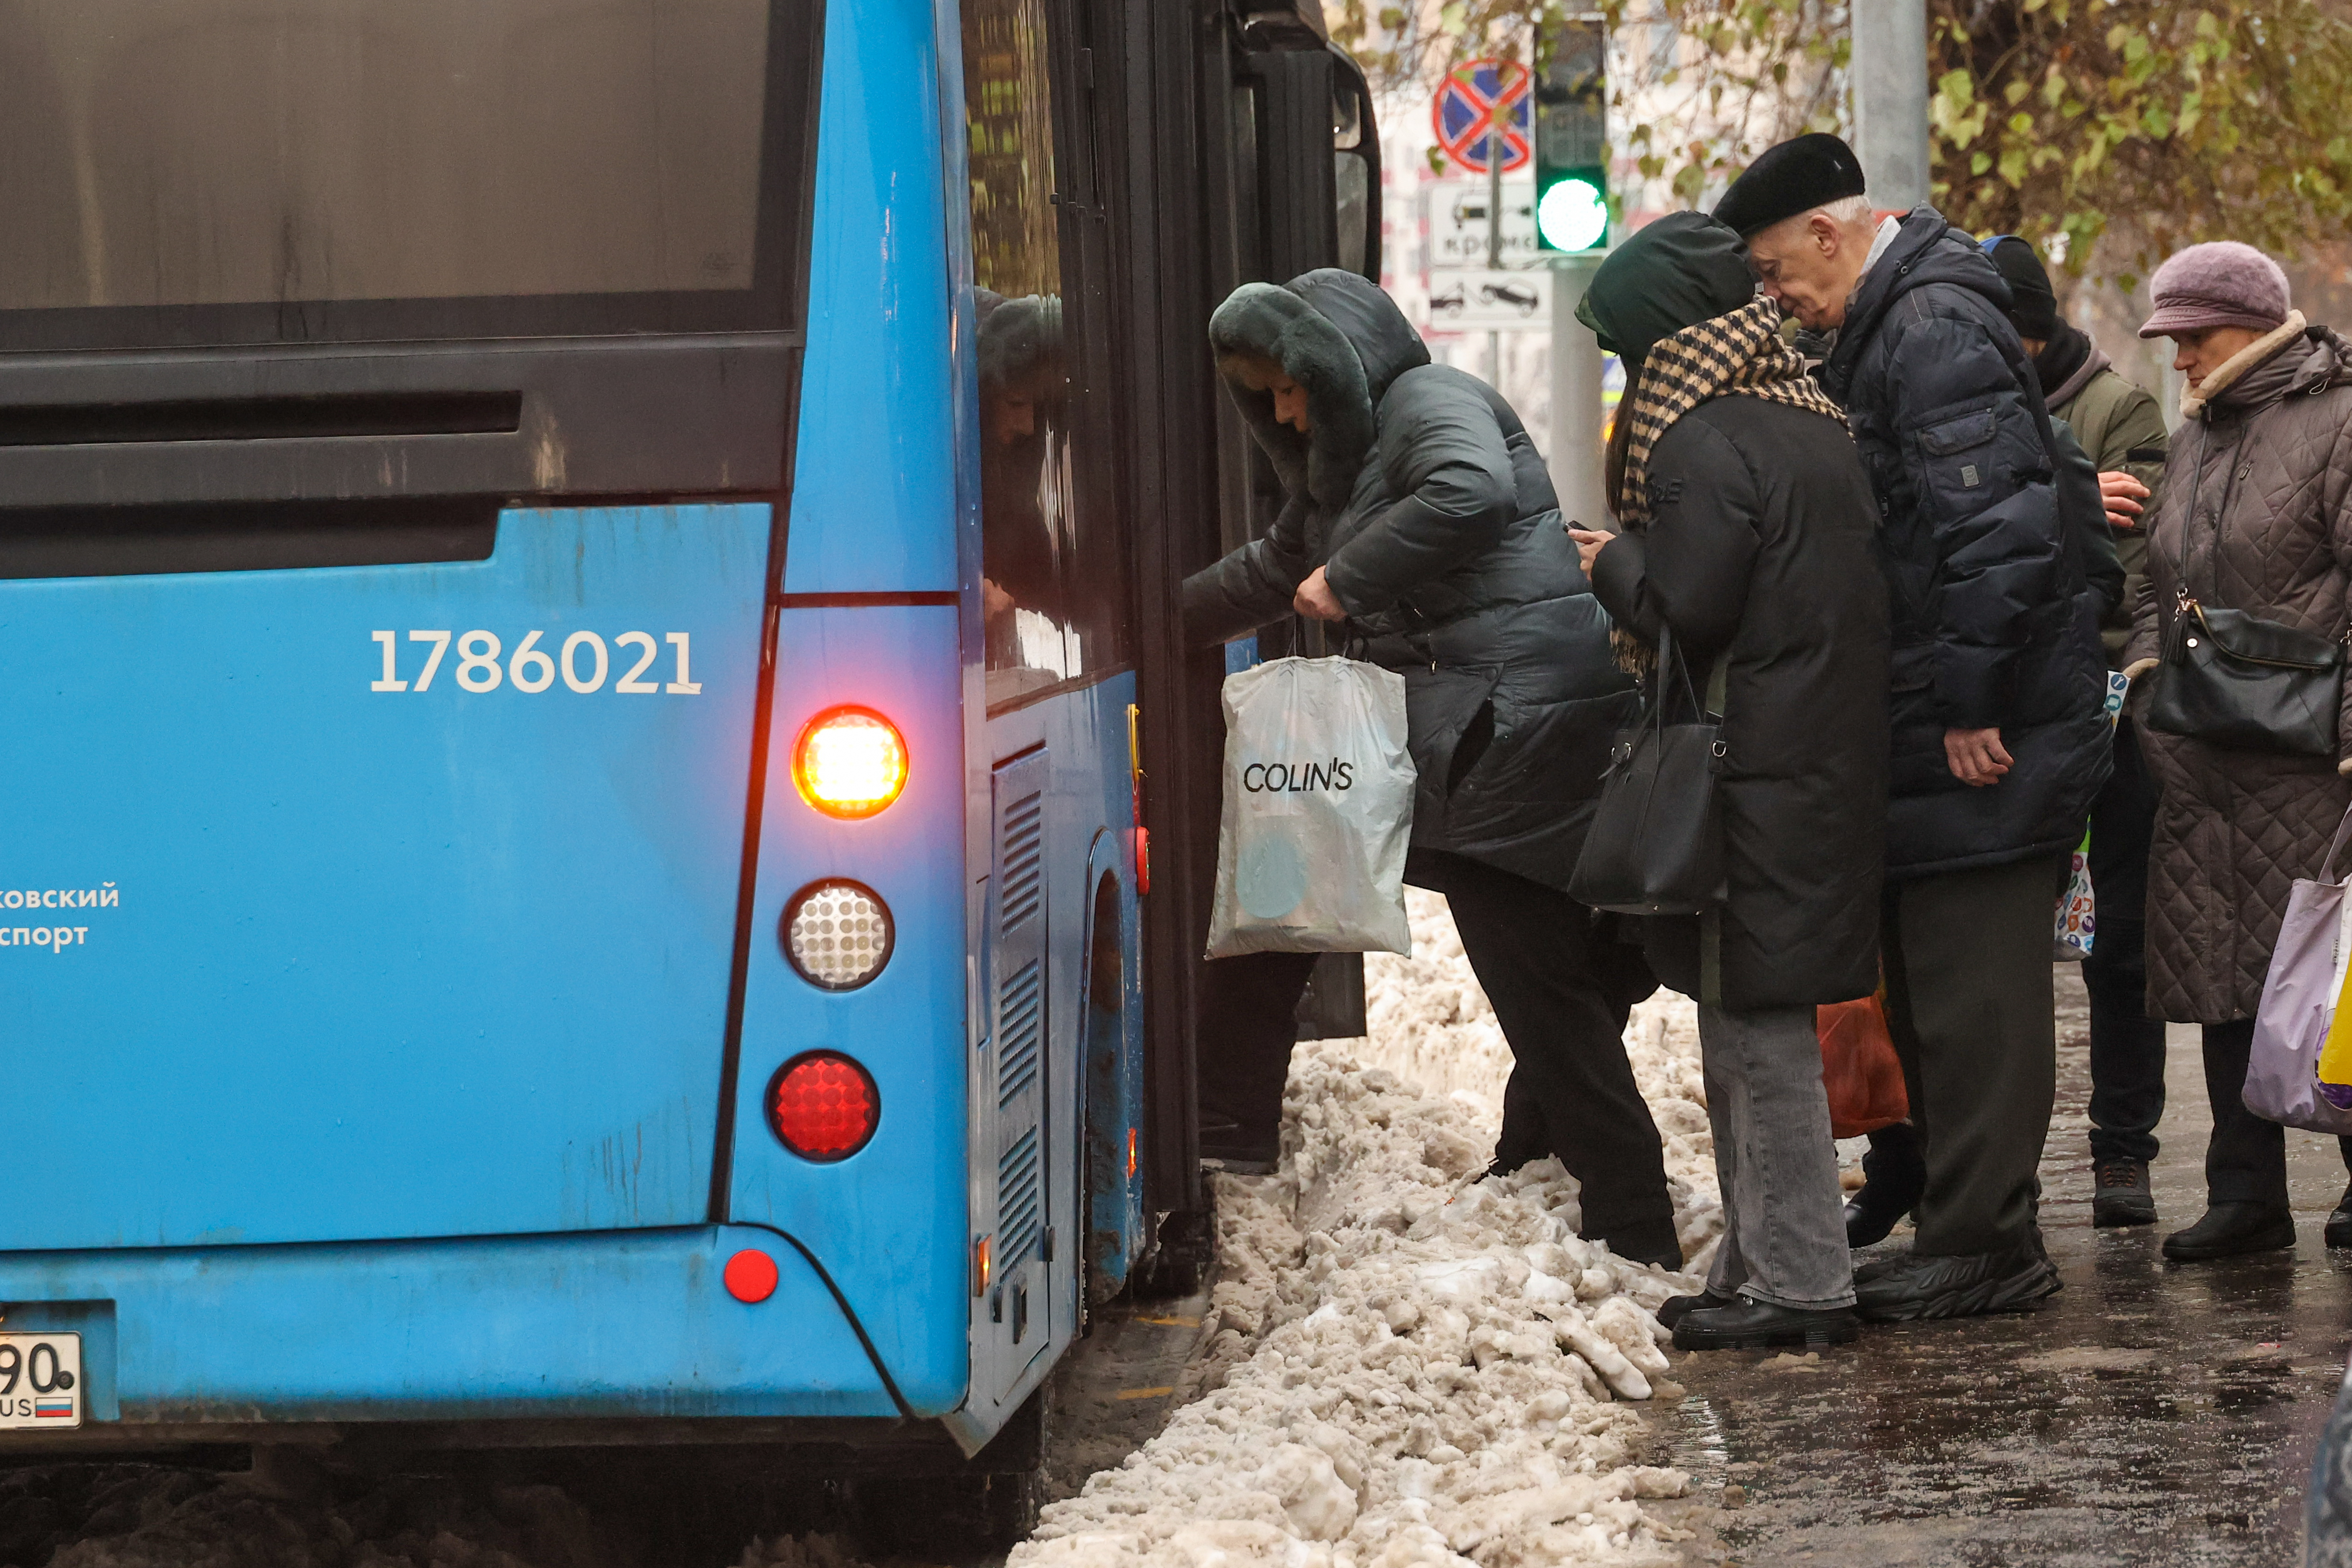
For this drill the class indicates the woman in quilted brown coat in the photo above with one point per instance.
(2257, 503)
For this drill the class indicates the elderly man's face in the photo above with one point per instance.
(1809, 264)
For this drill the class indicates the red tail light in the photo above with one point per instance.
(849, 762)
(822, 1106)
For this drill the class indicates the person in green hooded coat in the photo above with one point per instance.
(1419, 519)
(1748, 534)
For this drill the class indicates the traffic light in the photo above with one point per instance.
(1571, 90)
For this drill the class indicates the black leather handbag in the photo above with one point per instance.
(2237, 682)
(1655, 846)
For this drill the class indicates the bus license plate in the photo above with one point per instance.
(40, 1380)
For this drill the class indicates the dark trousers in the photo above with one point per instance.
(1560, 990)
(1969, 1003)
(1249, 1020)
(2245, 1161)
(2127, 1045)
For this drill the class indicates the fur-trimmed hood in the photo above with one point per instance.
(1016, 337)
(1343, 340)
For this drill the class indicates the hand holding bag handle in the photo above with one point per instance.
(1655, 846)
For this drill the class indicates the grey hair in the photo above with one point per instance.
(1847, 211)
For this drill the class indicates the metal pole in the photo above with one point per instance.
(1575, 396)
(1495, 148)
(1889, 74)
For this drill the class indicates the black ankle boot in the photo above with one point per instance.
(1743, 1324)
(1894, 1174)
(2339, 1224)
(2229, 1229)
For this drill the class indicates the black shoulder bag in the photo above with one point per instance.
(2237, 682)
(1655, 846)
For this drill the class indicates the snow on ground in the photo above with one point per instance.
(1412, 1364)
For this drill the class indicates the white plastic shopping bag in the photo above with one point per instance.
(1318, 811)
(2295, 1072)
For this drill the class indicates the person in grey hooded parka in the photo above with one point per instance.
(1420, 515)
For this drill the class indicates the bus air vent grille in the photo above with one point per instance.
(1020, 1203)
(1022, 857)
(1020, 1028)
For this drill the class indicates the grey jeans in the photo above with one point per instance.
(1783, 1215)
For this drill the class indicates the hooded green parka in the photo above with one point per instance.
(1420, 495)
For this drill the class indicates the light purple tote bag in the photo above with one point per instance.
(2299, 996)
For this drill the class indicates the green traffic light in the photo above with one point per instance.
(1572, 215)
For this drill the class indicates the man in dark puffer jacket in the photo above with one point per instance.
(1999, 740)
(1419, 512)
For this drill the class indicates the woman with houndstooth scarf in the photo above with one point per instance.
(1747, 532)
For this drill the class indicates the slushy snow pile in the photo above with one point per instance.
(1413, 1365)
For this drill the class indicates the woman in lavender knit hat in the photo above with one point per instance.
(2256, 516)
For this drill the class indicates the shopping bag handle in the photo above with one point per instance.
(2336, 847)
(1669, 655)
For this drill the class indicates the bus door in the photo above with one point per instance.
(393, 407)
(1305, 163)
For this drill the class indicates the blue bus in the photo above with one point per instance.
(606, 818)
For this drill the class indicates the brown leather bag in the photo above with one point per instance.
(1859, 1067)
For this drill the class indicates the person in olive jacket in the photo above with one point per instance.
(1749, 534)
(1419, 514)
(2121, 427)
(1999, 740)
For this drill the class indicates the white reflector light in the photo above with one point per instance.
(837, 935)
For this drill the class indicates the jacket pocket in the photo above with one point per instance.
(1966, 467)
(1439, 705)
(1947, 437)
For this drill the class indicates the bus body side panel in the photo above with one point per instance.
(888, 1222)
(392, 937)
(631, 1323)
(873, 497)
(1075, 744)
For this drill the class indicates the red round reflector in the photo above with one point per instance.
(822, 1106)
(750, 1275)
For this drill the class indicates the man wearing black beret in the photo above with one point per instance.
(1999, 737)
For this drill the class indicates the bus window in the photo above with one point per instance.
(1052, 590)
(1356, 173)
(299, 169)
(1352, 177)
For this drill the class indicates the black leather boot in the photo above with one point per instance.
(1743, 1324)
(1894, 1174)
(2231, 1229)
(2121, 1195)
(1237, 1150)
(2339, 1223)
(1675, 1308)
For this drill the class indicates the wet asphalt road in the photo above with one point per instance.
(2153, 1414)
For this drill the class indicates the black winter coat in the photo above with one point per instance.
(1420, 494)
(1761, 543)
(1995, 623)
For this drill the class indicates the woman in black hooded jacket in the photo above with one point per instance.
(1419, 512)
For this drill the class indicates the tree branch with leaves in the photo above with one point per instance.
(2115, 129)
